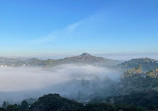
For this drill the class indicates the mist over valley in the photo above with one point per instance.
(84, 77)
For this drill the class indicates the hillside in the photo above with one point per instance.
(146, 99)
(85, 58)
(146, 64)
(54, 102)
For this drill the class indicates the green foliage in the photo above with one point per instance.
(54, 102)
(98, 107)
(145, 63)
(24, 105)
(147, 99)
(138, 82)
(13, 108)
(2, 109)
(125, 107)
(4, 105)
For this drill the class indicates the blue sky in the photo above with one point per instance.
(62, 27)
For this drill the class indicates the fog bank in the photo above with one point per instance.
(29, 82)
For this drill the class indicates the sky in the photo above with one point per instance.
(71, 27)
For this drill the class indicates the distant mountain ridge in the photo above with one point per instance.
(87, 58)
(84, 58)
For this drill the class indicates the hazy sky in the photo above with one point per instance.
(56, 27)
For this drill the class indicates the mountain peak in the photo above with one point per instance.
(85, 54)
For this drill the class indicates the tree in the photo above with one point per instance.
(140, 68)
(24, 105)
(12, 108)
(4, 105)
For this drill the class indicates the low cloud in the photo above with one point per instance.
(36, 81)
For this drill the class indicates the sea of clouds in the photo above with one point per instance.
(17, 83)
